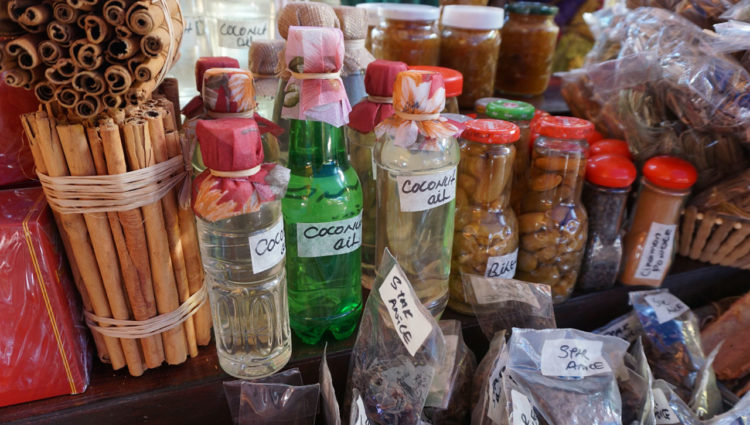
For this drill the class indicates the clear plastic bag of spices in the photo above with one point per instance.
(553, 221)
(605, 195)
(407, 33)
(520, 114)
(650, 241)
(485, 241)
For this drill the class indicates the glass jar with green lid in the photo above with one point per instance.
(520, 114)
(529, 38)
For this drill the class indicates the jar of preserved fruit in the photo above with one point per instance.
(520, 114)
(470, 44)
(407, 33)
(553, 222)
(454, 84)
(650, 241)
(610, 147)
(372, 20)
(605, 195)
(529, 39)
(480, 106)
(485, 241)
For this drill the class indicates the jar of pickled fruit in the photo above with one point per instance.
(529, 38)
(520, 114)
(454, 84)
(373, 10)
(407, 33)
(470, 44)
(605, 195)
(485, 241)
(480, 106)
(650, 242)
(553, 222)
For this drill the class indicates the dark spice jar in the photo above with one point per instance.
(605, 194)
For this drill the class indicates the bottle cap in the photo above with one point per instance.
(613, 171)
(410, 12)
(379, 78)
(452, 79)
(480, 106)
(491, 131)
(531, 8)
(595, 136)
(473, 17)
(565, 128)
(208, 62)
(670, 172)
(511, 110)
(373, 11)
(263, 57)
(611, 146)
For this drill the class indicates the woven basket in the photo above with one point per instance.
(716, 238)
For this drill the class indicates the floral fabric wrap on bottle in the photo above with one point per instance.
(314, 57)
(235, 181)
(413, 117)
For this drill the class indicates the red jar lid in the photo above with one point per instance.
(613, 171)
(454, 80)
(611, 146)
(670, 172)
(491, 131)
(595, 137)
(565, 128)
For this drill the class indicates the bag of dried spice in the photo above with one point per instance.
(278, 404)
(635, 383)
(627, 327)
(486, 392)
(233, 389)
(568, 375)
(398, 351)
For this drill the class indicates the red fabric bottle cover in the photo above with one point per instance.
(379, 79)
(235, 181)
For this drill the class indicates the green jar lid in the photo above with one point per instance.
(531, 8)
(510, 110)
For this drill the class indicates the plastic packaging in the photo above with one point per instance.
(407, 33)
(398, 351)
(627, 327)
(470, 44)
(567, 374)
(278, 404)
(16, 162)
(487, 408)
(605, 195)
(485, 242)
(669, 407)
(328, 393)
(233, 389)
(635, 383)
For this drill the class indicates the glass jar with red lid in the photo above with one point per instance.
(553, 221)
(650, 241)
(605, 195)
(610, 146)
(454, 84)
(485, 242)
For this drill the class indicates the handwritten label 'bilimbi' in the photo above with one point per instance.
(410, 324)
(502, 266)
(332, 238)
(267, 249)
(666, 306)
(573, 358)
(424, 192)
(657, 252)
(663, 412)
(523, 413)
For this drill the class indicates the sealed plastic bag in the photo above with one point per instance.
(502, 304)
(738, 415)
(488, 406)
(449, 400)
(568, 375)
(635, 388)
(673, 346)
(328, 394)
(627, 327)
(669, 407)
(233, 389)
(278, 404)
(398, 350)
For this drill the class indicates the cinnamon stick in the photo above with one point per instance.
(39, 127)
(62, 72)
(34, 16)
(149, 69)
(44, 91)
(114, 12)
(66, 97)
(121, 49)
(64, 13)
(89, 82)
(97, 30)
(118, 79)
(156, 43)
(89, 106)
(90, 56)
(140, 155)
(24, 48)
(140, 92)
(18, 77)
(80, 163)
(113, 101)
(84, 5)
(50, 52)
(144, 16)
(63, 34)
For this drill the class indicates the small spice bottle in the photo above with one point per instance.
(605, 195)
(407, 33)
(553, 221)
(650, 242)
(520, 114)
(470, 44)
(529, 39)
(485, 241)
(610, 147)
(454, 84)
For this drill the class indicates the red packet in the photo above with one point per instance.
(16, 163)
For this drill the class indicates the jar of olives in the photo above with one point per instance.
(407, 33)
(485, 241)
(553, 222)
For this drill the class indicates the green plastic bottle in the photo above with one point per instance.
(323, 224)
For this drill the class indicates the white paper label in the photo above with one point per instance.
(662, 410)
(666, 306)
(503, 266)
(495, 390)
(195, 27)
(575, 358)
(373, 163)
(267, 249)
(332, 238)
(490, 291)
(361, 418)
(657, 252)
(440, 381)
(240, 34)
(627, 328)
(523, 413)
(424, 192)
(410, 324)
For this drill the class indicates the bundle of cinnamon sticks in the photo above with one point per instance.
(131, 264)
(90, 55)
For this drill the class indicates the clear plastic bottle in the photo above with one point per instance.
(195, 44)
(236, 23)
